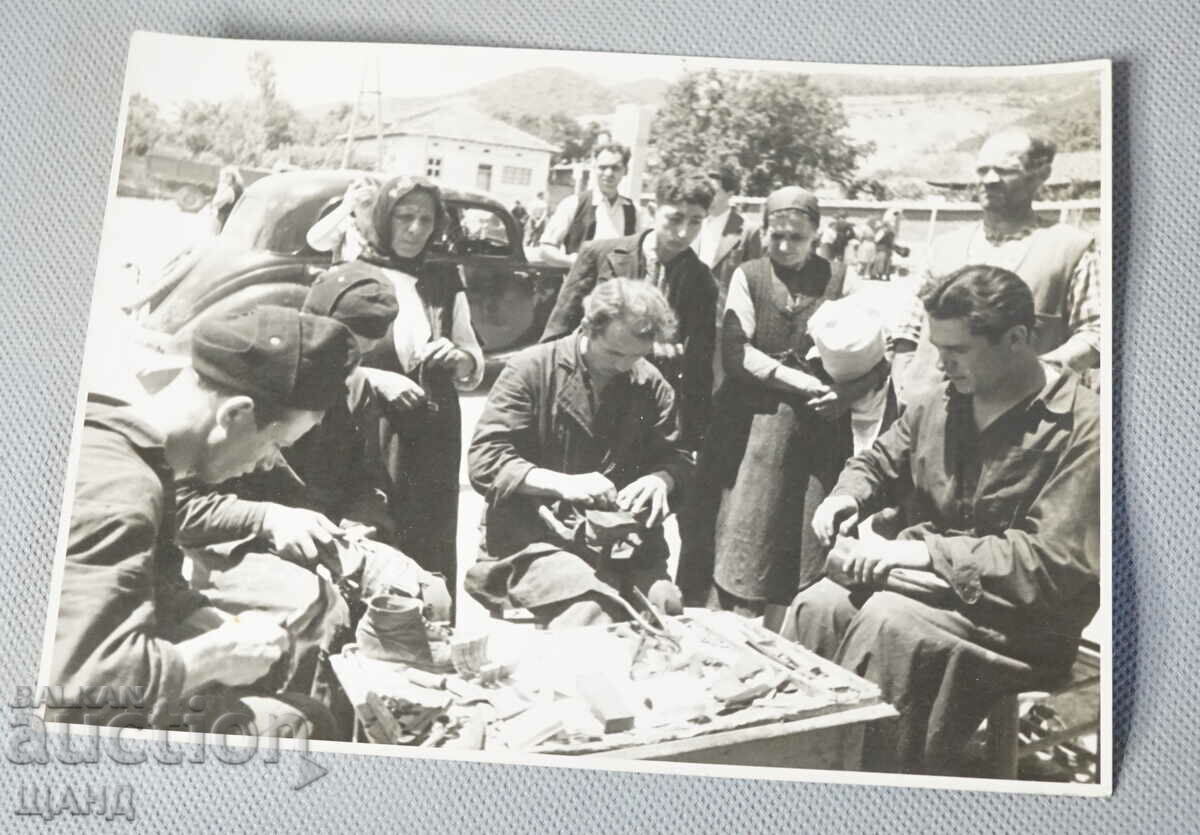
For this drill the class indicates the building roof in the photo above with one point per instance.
(460, 122)
(957, 170)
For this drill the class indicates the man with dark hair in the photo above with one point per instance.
(599, 213)
(1059, 263)
(720, 242)
(663, 256)
(257, 382)
(987, 589)
(573, 426)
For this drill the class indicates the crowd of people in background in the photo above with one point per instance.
(919, 502)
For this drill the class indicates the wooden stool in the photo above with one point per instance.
(1004, 748)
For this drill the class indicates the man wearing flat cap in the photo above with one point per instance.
(259, 538)
(332, 472)
(257, 382)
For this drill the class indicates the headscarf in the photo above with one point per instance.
(378, 248)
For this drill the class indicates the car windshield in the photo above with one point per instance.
(261, 223)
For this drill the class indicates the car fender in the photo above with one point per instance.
(203, 290)
(282, 293)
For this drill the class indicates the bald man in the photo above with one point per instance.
(1058, 261)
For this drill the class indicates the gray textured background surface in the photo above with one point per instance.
(60, 95)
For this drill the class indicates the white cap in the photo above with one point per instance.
(848, 336)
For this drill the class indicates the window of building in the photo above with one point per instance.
(433, 167)
(515, 176)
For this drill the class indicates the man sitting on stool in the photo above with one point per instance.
(987, 590)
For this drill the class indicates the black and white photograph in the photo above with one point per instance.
(623, 411)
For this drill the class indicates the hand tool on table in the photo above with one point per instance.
(657, 628)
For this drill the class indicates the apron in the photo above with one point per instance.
(790, 459)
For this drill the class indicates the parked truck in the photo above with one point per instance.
(190, 183)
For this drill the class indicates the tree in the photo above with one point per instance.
(574, 141)
(261, 69)
(779, 128)
(199, 126)
(245, 130)
(143, 126)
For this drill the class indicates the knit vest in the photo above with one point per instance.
(780, 325)
(1045, 260)
(583, 224)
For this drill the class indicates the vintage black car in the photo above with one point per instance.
(261, 257)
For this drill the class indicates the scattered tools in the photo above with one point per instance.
(472, 733)
(605, 702)
(420, 678)
(533, 727)
(385, 724)
(731, 690)
(438, 732)
(402, 722)
(656, 625)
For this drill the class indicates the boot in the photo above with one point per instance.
(393, 630)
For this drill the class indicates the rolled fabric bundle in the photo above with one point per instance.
(394, 630)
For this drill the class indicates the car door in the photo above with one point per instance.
(508, 297)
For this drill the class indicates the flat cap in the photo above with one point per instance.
(351, 294)
(287, 358)
(795, 199)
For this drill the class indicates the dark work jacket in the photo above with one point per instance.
(122, 586)
(731, 251)
(692, 294)
(540, 413)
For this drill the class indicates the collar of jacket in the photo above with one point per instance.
(574, 389)
(1056, 397)
(731, 235)
(115, 415)
(630, 246)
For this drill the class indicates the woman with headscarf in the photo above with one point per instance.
(433, 354)
(779, 432)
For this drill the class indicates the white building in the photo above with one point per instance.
(462, 147)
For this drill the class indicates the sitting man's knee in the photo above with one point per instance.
(888, 610)
(819, 616)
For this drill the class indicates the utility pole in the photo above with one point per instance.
(379, 112)
(354, 119)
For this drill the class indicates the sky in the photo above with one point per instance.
(173, 68)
